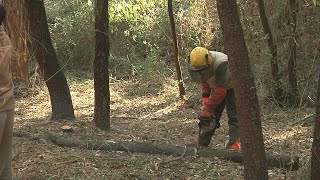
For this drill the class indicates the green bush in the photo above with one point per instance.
(138, 29)
(72, 32)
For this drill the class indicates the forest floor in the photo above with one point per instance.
(141, 111)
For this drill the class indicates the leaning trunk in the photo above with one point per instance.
(175, 50)
(42, 48)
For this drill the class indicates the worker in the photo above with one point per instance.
(6, 102)
(210, 68)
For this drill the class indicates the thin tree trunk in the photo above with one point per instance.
(42, 48)
(101, 66)
(15, 28)
(292, 75)
(276, 83)
(315, 158)
(252, 145)
(175, 51)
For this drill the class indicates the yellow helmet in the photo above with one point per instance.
(199, 58)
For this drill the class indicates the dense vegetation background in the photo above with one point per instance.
(140, 36)
(145, 102)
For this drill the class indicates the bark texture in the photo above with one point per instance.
(15, 28)
(41, 46)
(315, 158)
(292, 61)
(252, 145)
(101, 67)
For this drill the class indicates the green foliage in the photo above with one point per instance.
(198, 25)
(139, 33)
(133, 25)
(72, 31)
(136, 37)
(316, 2)
(132, 10)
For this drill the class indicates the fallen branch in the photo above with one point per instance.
(273, 160)
(68, 162)
(307, 118)
(280, 161)
(174, 159)
(35, 137)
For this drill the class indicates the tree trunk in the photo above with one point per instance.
(14, 27)
(278, 92)
(175, 50)
(101, 66)
(252, 145)
(292, 75)
(43, 50)
(315, 158)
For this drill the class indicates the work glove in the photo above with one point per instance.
(204, 100)
(205, 88)
(205, 113)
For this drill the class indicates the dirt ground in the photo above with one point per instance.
(141, 112)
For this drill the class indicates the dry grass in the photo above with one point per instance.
(141, 111)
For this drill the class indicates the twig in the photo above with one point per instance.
(68, 161)
(309, 75)
(124, 117)
(129, 117)
(174, 159)
(151, 15)
(303, 119)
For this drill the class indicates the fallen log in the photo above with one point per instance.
(273, 160)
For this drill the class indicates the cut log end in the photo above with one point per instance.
(66, 128)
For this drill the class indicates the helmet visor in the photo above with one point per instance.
(199, 69)
(201, 75)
